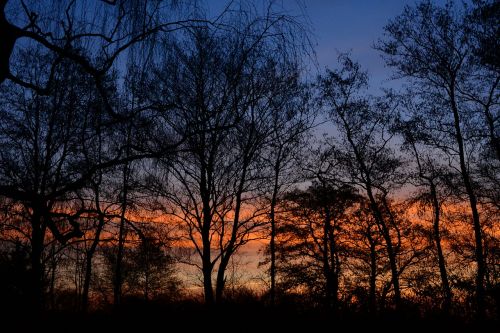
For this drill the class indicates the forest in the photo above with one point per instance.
(158, 161)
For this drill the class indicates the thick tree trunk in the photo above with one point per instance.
(207, 275)
(8, 36)
(221, 278)
(88, 264)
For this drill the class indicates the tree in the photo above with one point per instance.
(366, 251)
(94, 35)
(291, 121)
(362, 147)
(153, 268)
(216, 88)
(428, 174)
(433, 47)
(310, 245)
(42, 155)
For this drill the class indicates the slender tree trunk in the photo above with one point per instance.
(37, 238)
(494, 139)
(390, 250)
(441, 260)
(207, 265)
(377, 214)
(329, 267)
(230, 247)
(117, 292)
(146, 284)
(334, 278)
(327, 270)
(272, 242)
(481, 266)
(373, 272)
(53, 268)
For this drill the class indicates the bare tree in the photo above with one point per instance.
(291, 123)
(94, 35)
(429, 175)
(43, 135)
(433, 47)
(217, 86)
(310, 246)
(363, 147)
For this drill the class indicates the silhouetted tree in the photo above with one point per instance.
(291, 121)
(429, 175)
(94, 35)
(433, 47)
(216, 88)
(310, 246)
(43, 135)
(363, 147)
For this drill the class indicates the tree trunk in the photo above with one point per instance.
(37, 238)
(272, 242)
(390, 250)
(207, 265)
(441, 260)
(53, 268)
(117, 292)
(88, 263)
(377, 214)
(329, 263)
(8, 37)
(481, 267)
(494, 139)
(373, 272)
(207, 275)
(230, 247)
(221, 277)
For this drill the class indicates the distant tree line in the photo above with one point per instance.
(140, 140)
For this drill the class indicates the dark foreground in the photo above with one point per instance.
(189, 317)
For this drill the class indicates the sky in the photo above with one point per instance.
(347, 26)
(353, 26)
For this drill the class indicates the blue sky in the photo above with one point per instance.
(347, 25)
(352, 25)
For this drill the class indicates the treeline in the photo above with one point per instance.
(143, 143)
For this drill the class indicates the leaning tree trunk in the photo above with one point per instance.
(481, 266)
(390, 249)
(231, 245)
(441, 260)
